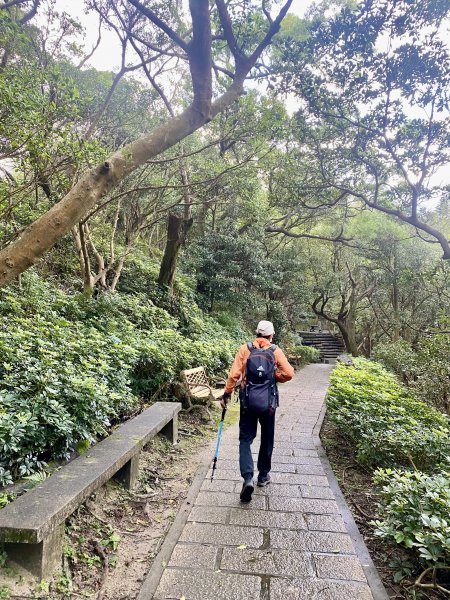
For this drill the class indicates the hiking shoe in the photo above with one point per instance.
(263, 481)
(247, 491)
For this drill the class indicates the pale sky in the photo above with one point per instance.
(107, 56)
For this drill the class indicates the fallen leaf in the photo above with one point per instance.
(242, 547)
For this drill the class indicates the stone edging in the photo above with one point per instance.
(153, 577)
(160, 561)
(373, 578)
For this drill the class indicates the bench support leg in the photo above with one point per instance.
(170, 431)
(42, 559)
(129, 473)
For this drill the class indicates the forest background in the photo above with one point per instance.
(241, 163)
(339, 211)
(151, 216)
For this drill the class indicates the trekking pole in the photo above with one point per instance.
(216, 454)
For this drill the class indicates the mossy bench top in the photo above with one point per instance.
(29, 518)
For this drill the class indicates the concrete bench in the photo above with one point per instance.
(197, 387)
(32, 526)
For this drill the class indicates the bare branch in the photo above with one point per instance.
(96, 45)
(153, 17)
(227, 27)
(28, 16)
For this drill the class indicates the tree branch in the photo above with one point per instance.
(153, 17)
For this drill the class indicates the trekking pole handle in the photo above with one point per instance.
(224, 412)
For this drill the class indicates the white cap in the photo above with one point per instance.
(265, 328)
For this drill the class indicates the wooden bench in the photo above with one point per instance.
(32, 526)
(197, 387)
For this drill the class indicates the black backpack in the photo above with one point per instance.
(260, 392)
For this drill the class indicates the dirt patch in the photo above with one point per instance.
(356, 484)
(113, 538)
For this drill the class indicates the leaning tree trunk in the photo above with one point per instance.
(42, 234)
(177, 229)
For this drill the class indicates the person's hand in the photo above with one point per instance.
(225, 399)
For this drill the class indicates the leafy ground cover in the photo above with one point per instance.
(404, 443)
(71, 366)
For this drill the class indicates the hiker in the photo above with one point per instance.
(260, 365)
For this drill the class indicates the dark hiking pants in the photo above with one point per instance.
(248, 424)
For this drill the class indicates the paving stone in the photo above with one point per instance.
(218, 485)
(222, 535)
(226, 474)
(307, 460)
(309, 469)
(267, 562)
(230, 469)
(209, 514)
(194, 555)
(282, 452)
(312, 541)
(232, 451)
(282, 467)
(304, 505)
(291, 478)
(227, 499)
(313, 480)
(224, 466)
(339, 567)
(279, 490)
(313, 491)
(298, 589)
(176, 583)
(325, 523)
(300, 444)
(267, 519)
(298, 454)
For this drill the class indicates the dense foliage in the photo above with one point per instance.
(388, 426)
(409, 442)
(71, 365)
(425, 369)
(415, 509)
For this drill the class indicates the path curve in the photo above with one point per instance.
(296, 540)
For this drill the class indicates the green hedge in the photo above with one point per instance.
(390, 430)
(71, 365)
(295, 347)
(388, 427)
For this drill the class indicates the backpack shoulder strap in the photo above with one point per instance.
(273, 347)
(250, 346)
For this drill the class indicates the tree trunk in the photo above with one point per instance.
(177, 229)
(348, 336)
(93, 185)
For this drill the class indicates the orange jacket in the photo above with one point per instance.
(284, 371)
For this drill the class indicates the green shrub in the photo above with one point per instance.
(388, 427)
(61, 382)
(70, 366)
(415, 511)
(426, 370)
(307, 354)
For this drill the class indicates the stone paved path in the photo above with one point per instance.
(290, 542)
